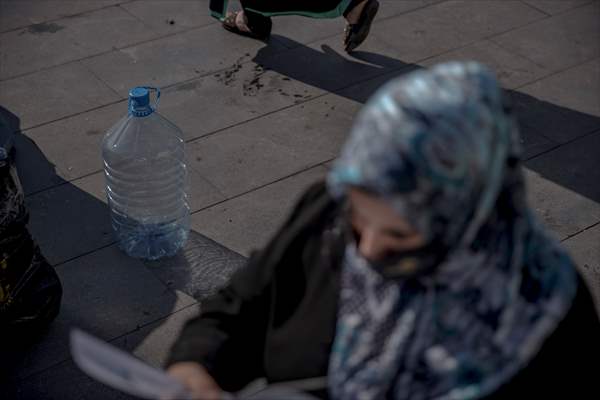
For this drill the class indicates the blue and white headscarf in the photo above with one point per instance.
(442, 148)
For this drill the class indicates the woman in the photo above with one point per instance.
(255, 18)
(416, 272)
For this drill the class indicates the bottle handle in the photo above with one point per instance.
(157, 90)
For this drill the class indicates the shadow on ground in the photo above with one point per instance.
(544, 126)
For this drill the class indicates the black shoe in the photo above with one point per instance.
(355, 34)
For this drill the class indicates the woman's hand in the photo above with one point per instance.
(196, 379)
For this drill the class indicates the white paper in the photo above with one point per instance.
(119, 370)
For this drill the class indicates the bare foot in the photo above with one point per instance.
(237, 22)
(241, 21)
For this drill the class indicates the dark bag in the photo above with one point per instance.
(30, 291)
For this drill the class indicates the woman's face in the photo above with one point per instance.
(378, 230)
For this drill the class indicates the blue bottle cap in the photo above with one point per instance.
(139, 101)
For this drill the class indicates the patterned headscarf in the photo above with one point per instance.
(442, 148)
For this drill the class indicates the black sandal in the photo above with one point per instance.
(230, 24)
(355, 34)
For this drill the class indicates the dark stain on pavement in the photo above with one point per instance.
(252, 86)
(44, 27)
(193, 85)
(228, 76)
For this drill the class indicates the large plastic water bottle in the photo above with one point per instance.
(146, 180)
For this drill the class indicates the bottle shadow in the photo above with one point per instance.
(106, 293)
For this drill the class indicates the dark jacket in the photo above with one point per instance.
(276, 318)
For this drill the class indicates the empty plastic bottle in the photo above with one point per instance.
(146, 180)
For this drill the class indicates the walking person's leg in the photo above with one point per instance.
(255, 18)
